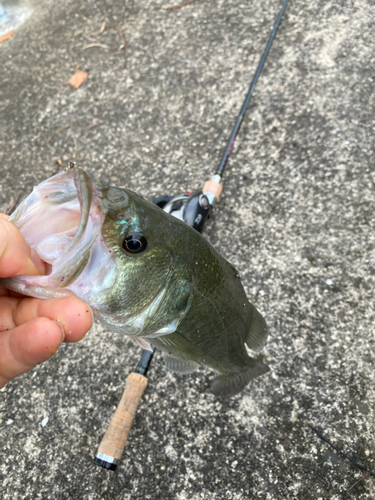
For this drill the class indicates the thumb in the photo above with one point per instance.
(16, 256)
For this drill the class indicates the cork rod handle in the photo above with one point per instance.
(114, 440)
(213, 187)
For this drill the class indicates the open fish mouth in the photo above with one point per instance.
(61, 219)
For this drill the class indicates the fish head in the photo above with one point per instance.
(153, 287)
(111, 248)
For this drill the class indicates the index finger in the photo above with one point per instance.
(16, 256)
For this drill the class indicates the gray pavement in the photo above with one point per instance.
(296, 218)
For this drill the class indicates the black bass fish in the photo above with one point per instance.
(143, 273)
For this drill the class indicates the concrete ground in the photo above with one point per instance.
(296, 218)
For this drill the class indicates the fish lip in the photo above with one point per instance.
(74, 186)
(84, 189)
(89, 197)
(70, 204)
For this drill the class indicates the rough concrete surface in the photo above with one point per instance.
(296, 218)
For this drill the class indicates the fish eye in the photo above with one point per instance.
(134, 243)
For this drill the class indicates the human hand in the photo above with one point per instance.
(31, 330)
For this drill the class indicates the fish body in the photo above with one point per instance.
(144, 273)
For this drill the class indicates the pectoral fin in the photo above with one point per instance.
(176, 345)
(179, 365)
(140, 342)
(227, 385)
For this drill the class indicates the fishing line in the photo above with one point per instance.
(340, 451)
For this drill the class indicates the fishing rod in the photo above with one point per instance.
(194, 209)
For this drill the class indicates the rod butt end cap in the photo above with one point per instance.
(106, 465)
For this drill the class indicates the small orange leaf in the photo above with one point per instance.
(78, 78)
(6, 36)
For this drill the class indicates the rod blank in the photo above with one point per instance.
(236, 128)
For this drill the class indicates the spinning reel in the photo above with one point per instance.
(192, 208)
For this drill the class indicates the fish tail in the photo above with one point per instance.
(227, 385)
(257, 336)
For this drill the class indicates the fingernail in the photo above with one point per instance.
(37, 261)
(62, 330)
